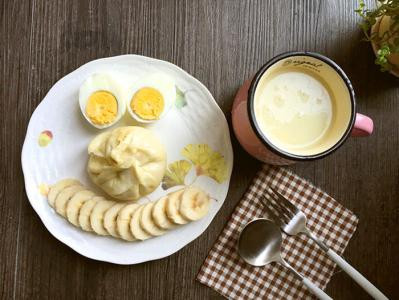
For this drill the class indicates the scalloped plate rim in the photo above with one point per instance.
(64, 239)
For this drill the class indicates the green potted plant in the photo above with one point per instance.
(381, 27)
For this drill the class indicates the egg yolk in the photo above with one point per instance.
(102, 108)
(147, 103)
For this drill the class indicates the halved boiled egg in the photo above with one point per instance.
(101, 100)
(151, 97)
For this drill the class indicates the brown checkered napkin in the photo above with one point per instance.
(226, 273)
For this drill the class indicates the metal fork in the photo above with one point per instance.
(293, 221)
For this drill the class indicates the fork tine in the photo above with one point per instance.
(273, 213)
(278, 201)
(287, 203)
(274, 216)
(263, 200)
(280, 214)
(281, 211)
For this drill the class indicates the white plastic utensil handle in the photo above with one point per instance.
(359, 278)
(315, 290)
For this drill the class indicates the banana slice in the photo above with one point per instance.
(123, 220)
(110, 219)
(159, 214)
(58, 187)
(147, 222)
(97, 216)
(129, 221)
(64, 196)
(135, 227)
(194, 204)
(75, 204)
(85, 212)
(173, 207)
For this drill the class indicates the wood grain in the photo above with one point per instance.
(221, 43)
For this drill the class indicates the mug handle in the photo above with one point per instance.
(363, 126)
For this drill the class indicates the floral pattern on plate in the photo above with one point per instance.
(45, 138)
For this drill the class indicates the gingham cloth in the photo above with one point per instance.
(226, 273)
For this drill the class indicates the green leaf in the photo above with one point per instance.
(180, 98)
(176, 173)
(381, 58)
(389, 39)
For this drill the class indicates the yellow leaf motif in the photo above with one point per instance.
(207, 162)
(175, 174)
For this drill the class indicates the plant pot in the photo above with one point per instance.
(393, 58)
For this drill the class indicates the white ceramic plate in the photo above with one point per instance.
(195, 119)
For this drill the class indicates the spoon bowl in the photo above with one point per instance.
(260, 242)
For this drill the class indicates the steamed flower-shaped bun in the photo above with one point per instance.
(127, 162)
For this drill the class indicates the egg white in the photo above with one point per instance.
(102, 82)
(163, 83)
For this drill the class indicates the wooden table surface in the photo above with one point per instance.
(221, 43)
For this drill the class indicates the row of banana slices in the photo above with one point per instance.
(128, 221)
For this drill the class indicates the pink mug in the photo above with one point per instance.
(346, 121)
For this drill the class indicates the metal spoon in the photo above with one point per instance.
(259, 244)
